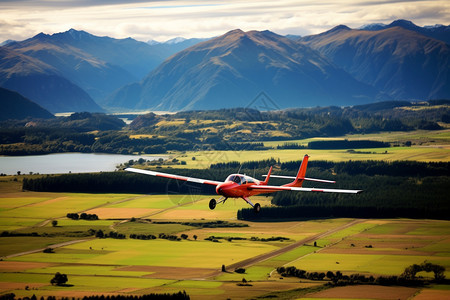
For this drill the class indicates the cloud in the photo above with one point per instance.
(162, 20)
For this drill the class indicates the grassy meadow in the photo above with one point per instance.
(132, 266)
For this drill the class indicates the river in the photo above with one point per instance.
(65, 163)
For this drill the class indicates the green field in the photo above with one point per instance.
(416, 153)
(132, 266)
(152, 253)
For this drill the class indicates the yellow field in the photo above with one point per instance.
(420, 153)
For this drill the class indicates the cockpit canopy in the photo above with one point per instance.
(240, 179)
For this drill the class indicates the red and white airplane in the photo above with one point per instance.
(242, 186)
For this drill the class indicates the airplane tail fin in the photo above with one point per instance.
(267, 177)
(298, 181)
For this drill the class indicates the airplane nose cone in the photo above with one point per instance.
(221, 188)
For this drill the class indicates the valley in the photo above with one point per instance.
(129, 266)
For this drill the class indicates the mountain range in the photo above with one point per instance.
(76, 71)
(232, 69)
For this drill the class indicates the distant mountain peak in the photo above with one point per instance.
(7, 42)
(41, 36)
(252, 34)
(331, 31)
(338, 28)
(373, 27)
(403, 23)
(235, 32)
(434, 26)
(176, 40)
(153, 42)
(71, 34)
(74, 34)
(72, 30)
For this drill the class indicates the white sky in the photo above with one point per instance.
(163, 20)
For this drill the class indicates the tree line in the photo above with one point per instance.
(375, 167)
(346, 144)
(336, 211)
(82, 216)
(407, 278)
(153, 296)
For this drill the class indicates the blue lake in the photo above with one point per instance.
(65, 163)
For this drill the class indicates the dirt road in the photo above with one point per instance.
(42, 249)
(257, 259)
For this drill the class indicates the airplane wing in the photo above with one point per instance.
(301, 189)
(173, 176)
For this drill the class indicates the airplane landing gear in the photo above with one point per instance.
(212, 204)
(257, 208)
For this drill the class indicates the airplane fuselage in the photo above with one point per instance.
(239, 186)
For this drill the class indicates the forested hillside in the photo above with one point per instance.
(226, 129)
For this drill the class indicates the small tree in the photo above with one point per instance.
(195, 237)
(99, 234)
(330, 275)
(338, 276)
(54, 223)
(59, 279)
(436, 269)
(411, 271)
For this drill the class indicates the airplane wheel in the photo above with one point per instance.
(257, 208)
(212, 204)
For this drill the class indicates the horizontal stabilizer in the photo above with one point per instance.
(306, 178)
